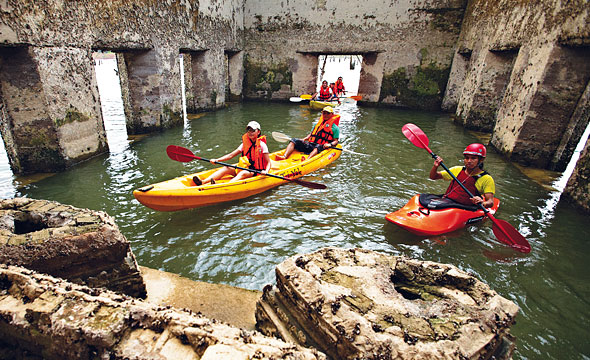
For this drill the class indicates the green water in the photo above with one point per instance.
(241, 242)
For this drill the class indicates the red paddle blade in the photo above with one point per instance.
(415, 135)
(179, 153)
(508, 235)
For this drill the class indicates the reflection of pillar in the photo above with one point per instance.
(577, 190)
(536, 112)
(305, 71)
(484, 89)
(371, 77)
(152, 90)
(51, 112)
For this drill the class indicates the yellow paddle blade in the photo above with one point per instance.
(305, 96)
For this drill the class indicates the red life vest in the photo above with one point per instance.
(339, 87)
(325, 94)
(455, 191)
(322, 132)
(253, 151)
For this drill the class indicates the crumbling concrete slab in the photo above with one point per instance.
(357, 303)
(50, 318)
(81, 245)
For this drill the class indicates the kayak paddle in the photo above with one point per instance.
(181, 154)
(280, 137)
(504, 232)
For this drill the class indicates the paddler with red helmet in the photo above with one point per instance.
(471, 175)
(254, 156)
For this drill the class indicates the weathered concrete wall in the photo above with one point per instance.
(81, 245)
(42, 317)
(360, 304)
(577, 190)
(55, 40)
(407, 46)
(520, 71)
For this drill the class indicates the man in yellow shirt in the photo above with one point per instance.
(471, 175)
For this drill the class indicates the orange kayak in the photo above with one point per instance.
(426, 221)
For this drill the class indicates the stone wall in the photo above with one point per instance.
(80, 245)
(407, 47)
(42, 317)
(520, 71)
(48, 93)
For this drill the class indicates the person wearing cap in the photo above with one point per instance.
(471, 175)
(254, 156)
(323, 135)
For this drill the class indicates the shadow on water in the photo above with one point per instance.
(240, 243)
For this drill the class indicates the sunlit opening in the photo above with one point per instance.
(330, 67)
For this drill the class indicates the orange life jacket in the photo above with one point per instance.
(325, 94)
(253, 151)
(455, 191)
(322, 132)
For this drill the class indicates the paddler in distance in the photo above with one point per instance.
(254, 156)
(471, 175)
(324, 135)
(324, 93)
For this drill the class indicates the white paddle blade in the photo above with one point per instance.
(295, 99)
(280, 137)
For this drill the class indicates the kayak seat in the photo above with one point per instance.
(436, 202)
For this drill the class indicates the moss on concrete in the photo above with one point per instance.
(265, 79)
(421, 87)
(72, 115)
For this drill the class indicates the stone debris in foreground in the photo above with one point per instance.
(359, 304)
(81, 245)
(49, 318)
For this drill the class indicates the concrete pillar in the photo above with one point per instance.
(207, 74)
(484, 89)
(459, 69)
(543, 92)
(235, 75)
(577, 190)
(51, 116)
(371, 76)
(151, 89)
(305, 73)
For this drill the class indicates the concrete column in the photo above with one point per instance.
(235, 74)
(151, 90)
(371, 77)
(51, 112)
(208, 80)
(459, 69)
(577, 190)
(484, 89)
(543, 92)
(305, 73)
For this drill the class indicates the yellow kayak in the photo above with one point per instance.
(181, 193)
(319, 105)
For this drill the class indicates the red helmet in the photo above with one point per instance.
(475, 149)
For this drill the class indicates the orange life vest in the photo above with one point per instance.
(322, 132)
(325, 93)
(455, 191)
(253, 151)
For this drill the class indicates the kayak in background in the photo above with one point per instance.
(319, 105)
(427, 214)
